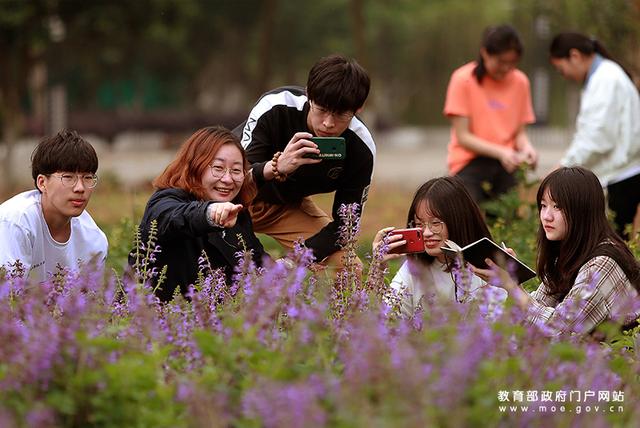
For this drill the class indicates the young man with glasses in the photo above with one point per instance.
(48, 228)
(277, 136)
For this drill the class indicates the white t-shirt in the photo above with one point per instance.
(25, 236)
(413, 281)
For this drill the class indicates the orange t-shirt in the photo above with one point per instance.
(496, 110)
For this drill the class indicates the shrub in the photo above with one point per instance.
(283, 346)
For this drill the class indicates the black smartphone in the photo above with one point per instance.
(330, 148)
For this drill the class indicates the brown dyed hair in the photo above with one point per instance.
(449, 200)
(194, 157)
(578, 193)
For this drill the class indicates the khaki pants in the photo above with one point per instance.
(291, 222)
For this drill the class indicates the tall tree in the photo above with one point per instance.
(265, 53)
(24, 37)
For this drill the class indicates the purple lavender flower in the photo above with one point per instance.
(292, 405)
(42, 417)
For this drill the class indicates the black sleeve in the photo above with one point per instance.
(177, 216)
(254, 243)
(354, 189)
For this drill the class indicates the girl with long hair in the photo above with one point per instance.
(444, 210)
(588, 273)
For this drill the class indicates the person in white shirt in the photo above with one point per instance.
(607, 136)
(444, 210)
(46, 229)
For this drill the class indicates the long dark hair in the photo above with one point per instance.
(496, 40)
(449, 200)
(578, 193)
(562, 44)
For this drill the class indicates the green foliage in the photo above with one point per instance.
(125, 392)
(168, 53)
(284, 349)
(120, 243)
(513, 219)
(566, 352)
(268, 352)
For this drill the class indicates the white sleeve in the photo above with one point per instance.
(404, 286)
(15, 244)
(596, 125)
(402, 280)
(105, 248)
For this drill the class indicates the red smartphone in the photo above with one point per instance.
(414, 244)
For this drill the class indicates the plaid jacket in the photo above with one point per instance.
(601, 292)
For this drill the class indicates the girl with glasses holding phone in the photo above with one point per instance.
(444, 210)
(199, 206)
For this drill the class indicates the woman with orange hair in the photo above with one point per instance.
(199, 206)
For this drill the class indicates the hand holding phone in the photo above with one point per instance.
(330, 148)
(413, 237)
(295, 153)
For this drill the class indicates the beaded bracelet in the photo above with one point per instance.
(277, 175)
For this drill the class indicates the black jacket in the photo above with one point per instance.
(275, 118)
(183, 233)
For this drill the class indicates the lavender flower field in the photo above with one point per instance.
(286, 347)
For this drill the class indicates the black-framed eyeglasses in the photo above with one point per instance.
(342, 117)
(219, 171)
(435, 226)
(70, 180)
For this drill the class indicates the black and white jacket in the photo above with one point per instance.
(274, 119)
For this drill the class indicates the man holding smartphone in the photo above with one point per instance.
(277, 137)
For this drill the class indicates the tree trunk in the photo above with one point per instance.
(266, 45)
(358, 31)
(10, 126)
(14, 65)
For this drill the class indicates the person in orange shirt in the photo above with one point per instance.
(489, 105)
